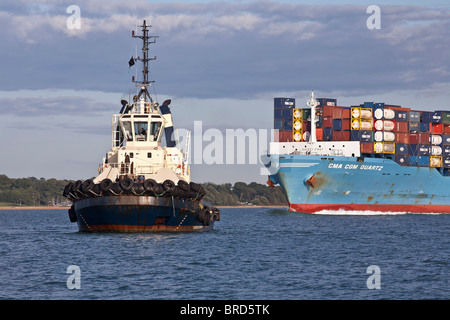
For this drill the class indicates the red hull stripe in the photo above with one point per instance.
(418, 208)
(131, 228)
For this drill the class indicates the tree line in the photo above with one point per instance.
(42, 192)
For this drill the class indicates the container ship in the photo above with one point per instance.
(143, 185)
(367, 157)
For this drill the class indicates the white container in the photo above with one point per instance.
(379, 113)
(436, 151)
(378, 147)
(389, 114)
(297, 125)
(378, 136)
(379, 125)
(366, 125)
(388, 125)
(366, 114)
(389, 136)
(436, 139)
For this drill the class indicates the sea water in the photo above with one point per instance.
(252, 253)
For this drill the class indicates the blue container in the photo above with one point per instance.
(401, 115)
(284, 103)
(446, 140)
(378, 105)
(368, 105)
(414, 116)
(278, 113)
(413, 160)
(319, 121)
(401, 149)
(287, 113)
(426, 116)
(446, 150)
(423, 149)
(327, 134)
(424, 127)
(355, 135)
(327, 102)
(446, 162)
(287, 125)
(402, 160)
(437, 117)
(278, 124)
(337, 124)
(413, 149)
(413, 127)
(366, 136)
(424, 161)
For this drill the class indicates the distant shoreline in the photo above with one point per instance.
(62, 208)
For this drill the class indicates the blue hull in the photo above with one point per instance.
(141, 214)
(315, 183)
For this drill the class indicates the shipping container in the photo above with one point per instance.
(436, 150)
(337, 124)
(446, 140)
(297, 136)
(437, 128)
(356, 134)
(401, 115)
(297, 113)
(423, 138)
(297, 125)
(446, 128)
(413, 160)
(423, 149)
(366, 135)
(319, 134)
(402, 159)
(388, 114)
(306, 114)
(319, 122)
(384, 125)
(437, 117)
(413, 127)
(368, 105)
(345, 124)
(284, 103)
(436, 139)
(327, 134)
(287, 125)
(414, 116)
(384, 136)
(278, 113)
(424, 127)
(424, 161)
(288, 113)
(278, 124)
(366, 147)
(446, 162)
(401, 149)
(401, 127)
(426, 116)
(413, 138)
(413, 149)
(345, 113)
(446, 150)
(402, 138)
(436, 161)
(327, 102)
(327, 122)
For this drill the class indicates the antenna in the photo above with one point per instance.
(146, 40)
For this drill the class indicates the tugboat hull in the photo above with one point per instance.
(127, 213)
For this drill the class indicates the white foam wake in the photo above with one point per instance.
(368, 213)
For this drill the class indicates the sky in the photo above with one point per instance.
(221, 63)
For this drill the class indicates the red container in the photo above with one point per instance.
(413, 138)
(424, 138)
(327, 122)
(366, 147)
(437, 128)
(401, 126)
(306, 125)
(446, 128)
(328, 111)
(337, 112)
(341, 136)
(346, 113)
(402, 138)
(345, 124)
(285, 136)
(319, 134)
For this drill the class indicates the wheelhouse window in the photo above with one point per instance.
(128, 133)
(154, 130)
(141, 129)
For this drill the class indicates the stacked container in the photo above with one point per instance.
(411, 138)
(283, 111)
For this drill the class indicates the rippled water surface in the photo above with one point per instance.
(252, 254)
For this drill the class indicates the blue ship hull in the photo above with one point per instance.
(315, 183)
(127, 213)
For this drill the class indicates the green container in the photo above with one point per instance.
(445, 116)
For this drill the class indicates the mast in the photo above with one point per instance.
(313, 103)
(146, 40)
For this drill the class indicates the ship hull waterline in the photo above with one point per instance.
(317, 183)
(140, 214)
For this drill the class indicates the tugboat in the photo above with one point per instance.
(142, 185)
